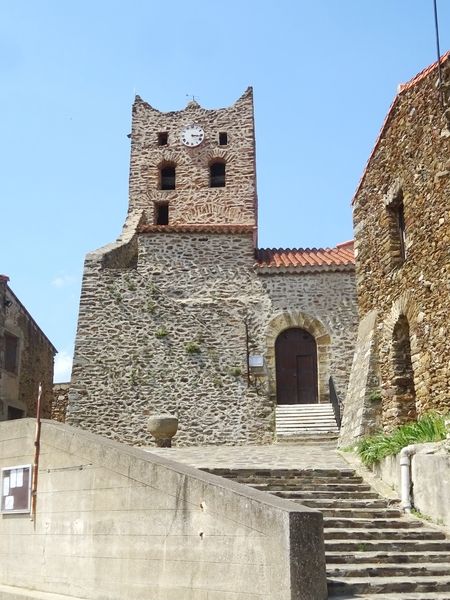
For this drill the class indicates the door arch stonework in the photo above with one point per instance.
(297, 319)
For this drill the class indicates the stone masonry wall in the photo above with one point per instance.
(170, 336)
(328, 297)
(193, 201)
(34, 361)
(60, 401)
(411, 159)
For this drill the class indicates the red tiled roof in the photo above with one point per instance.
(196, 229)
(313, 258)
(403, 87)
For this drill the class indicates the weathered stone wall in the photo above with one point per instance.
(60, 401)
(35, 356)
(362, 409)
(193, 201)
(329, 298)
(411, 159)
(170, 336)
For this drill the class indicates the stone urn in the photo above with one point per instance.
(163, 427)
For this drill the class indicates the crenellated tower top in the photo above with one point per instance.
(194, 166)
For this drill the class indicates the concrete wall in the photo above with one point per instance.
(115, 522)
(430, 473)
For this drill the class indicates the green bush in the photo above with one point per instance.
(192, 348)
(429, 428)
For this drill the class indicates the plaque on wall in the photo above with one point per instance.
(16, 489)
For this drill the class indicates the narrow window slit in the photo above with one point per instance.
(162, 213)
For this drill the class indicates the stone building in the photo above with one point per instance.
(184, 314)
(26, 359)
(402, 240)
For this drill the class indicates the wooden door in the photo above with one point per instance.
(296, 367)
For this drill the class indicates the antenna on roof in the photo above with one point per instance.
(438, 49)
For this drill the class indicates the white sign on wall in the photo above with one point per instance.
(15, 489)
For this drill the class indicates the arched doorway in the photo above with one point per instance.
(296, 367)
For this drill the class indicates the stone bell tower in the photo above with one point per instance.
(194, 166)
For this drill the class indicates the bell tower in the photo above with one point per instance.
(194, 166)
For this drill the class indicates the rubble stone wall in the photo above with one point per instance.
(35, 356)
(170, 336)
(411, 159)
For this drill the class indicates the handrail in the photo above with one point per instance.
(335, 402)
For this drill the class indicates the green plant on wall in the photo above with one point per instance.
(192, 348)
(430, 427)
(161, 332)
(151, 306)
(374, 396)
(235, 371)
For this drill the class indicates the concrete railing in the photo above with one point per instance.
(430, 479)
(117, 523)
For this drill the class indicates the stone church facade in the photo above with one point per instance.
(185, 315)
(402, 239)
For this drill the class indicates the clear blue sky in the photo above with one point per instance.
(324, 73)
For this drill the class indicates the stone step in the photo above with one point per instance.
(397, 558)
(319, 494)
(305, 429)
(348, 503)
(400, 596)
(305, 419)
(421, 569)
(382, 585)
(276, 473)
(312, 484)
(355, 523)
(326, 441)
(293, 482)
(361, 513)
(324, 406)
(353, 545)
(383, 534)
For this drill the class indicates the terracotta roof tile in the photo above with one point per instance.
(196, 228)
(307, 258)
(403, 87)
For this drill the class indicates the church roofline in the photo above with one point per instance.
(339, 258)
(193, 104)
(197, 228)
(402, 88)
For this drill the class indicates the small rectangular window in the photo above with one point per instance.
(223, 138)
(400, 214)
(167, 178)
(162, 213)
(11, 352)
(163, 137)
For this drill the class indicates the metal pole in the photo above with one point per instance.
(37, 446)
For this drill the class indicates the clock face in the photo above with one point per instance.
(192, 135)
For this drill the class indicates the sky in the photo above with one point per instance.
(324, 74)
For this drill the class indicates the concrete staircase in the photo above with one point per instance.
(299, 420)
(373, 551)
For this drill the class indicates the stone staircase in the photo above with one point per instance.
(373, 551)
(297, 420)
